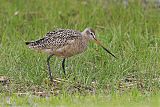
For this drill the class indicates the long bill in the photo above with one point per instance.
(99, 43)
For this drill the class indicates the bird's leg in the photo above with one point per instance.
(63, 66)
(49, 69)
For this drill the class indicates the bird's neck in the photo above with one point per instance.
(85, 37)
(85, 40)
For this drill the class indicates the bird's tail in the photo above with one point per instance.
(32, 44)
(27, 43)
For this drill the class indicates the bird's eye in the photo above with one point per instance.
(92, 34)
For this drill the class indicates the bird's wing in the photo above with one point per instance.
(57, 39)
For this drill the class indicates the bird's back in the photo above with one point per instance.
(55, 39)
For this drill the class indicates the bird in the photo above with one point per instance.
(65, 43)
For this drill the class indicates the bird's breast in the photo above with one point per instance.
(72, 49)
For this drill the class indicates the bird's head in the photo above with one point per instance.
(90, 34)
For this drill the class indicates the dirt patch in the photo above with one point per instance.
(47, 88)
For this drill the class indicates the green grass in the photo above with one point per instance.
(133, 99)
(126, 100)
(132, 34)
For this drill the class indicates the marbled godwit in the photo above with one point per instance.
(64, 43)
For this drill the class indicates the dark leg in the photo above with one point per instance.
(49, 69)
(63, 66)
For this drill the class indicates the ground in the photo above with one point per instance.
(130, 32)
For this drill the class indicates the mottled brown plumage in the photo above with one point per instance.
(64, 43)
(61, 42)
